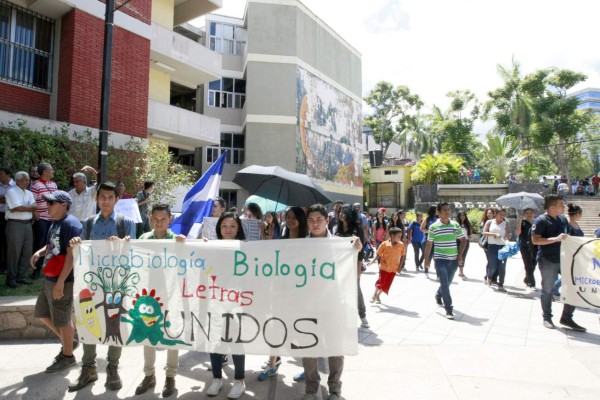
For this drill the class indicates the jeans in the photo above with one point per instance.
(362, 310)
(445, 270)
(89, 355)
(495, 264)
(150, 360)
(529, 262)
(550, 270)
(419, 247)
(311, 372)
(239, 364)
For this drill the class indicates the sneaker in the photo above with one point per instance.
(113, 380)
(61, 362)
(267, 364)
(88, 375)
(364, 323)
(238, 389)
(548, 324)
(501, 289)
(449, 315)
(147, 383)
(300, 377)
(214, 387)
(438, 300)
(568, 322)
(334, 396)
(267, 373)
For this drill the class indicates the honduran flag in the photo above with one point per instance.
(198, 202)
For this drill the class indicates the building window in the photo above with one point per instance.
(385, 194)
(234, 143)
(230, 197)
(390, 172)
(227, 93)
(227, 39)
(25, 47)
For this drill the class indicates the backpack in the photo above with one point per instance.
(87, 226)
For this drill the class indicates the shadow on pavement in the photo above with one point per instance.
(38, 386)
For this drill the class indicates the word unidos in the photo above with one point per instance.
(325, 270)
(142, 260)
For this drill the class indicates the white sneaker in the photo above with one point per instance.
(214, 387)
(238, 389)
(364, 322)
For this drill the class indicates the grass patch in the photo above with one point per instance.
(23, 290)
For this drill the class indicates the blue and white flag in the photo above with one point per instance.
(198, 202)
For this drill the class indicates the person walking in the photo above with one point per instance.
(497, 232)
(444, 234)
(465, 224)
(392, 252)
(417, 238)
(526, 247)
(547, 232)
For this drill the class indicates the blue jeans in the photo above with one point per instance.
(419, 247)
(495, 264)
(445, 271)
(550, 270)
(239, 364)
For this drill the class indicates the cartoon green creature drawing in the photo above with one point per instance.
(146, 318)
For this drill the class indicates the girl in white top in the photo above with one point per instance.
(497, 232)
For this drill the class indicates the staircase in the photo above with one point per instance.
(590, 221)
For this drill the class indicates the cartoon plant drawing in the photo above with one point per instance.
(116, 284)
(146, 318)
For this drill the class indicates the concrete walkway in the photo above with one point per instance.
(496, 348)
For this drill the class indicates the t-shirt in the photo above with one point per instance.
(417, 234)
(84, 203)
(525, 236)
(548, 227)
(38, 189)
(444, 237)
(390, 255)
(595, 181)
(141, 196)
(150, 235)
(61, 232)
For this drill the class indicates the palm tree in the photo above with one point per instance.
(499, 153)
(437, 168)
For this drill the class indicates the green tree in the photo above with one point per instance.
(158, 166)
(456, 126)
(555, 114)
(440, 168)
(393, 112)
(510, 106)
(500, 155)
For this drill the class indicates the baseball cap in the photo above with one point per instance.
(58, 197)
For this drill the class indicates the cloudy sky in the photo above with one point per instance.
(435, 46)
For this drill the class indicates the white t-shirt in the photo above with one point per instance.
(497, 228)
(84, 204)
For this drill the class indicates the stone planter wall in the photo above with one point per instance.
(17, 321)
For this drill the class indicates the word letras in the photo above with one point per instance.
(325, 270)
(218, 293)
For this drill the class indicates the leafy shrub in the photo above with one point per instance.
(474, 215)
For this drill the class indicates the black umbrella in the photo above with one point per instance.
(279, 184)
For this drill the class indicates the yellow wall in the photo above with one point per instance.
(403, 176)
(163, 12)
(160, 86)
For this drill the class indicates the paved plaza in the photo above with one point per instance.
(496, 348)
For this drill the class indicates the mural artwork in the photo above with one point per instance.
(329, 143)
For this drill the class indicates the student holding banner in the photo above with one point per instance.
(317, 225)
(106, 225)
(160, 219)
(547, 232)
(229, 227)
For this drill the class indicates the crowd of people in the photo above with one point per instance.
(41, 225)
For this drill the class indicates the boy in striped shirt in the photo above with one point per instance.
(444, 233)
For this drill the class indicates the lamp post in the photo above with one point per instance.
(105, 96)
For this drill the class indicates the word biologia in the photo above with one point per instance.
(137, 259)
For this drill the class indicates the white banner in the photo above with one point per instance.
(580, 272)
(129, 208)
(278, 297)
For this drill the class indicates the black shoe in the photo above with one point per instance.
(35, 274)
(568, 322)
(88, 375)
(169, 388)
(61, 362)
(449, 315)
(548, 324)
(113, 380)
(438, 300)
(147, 383)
